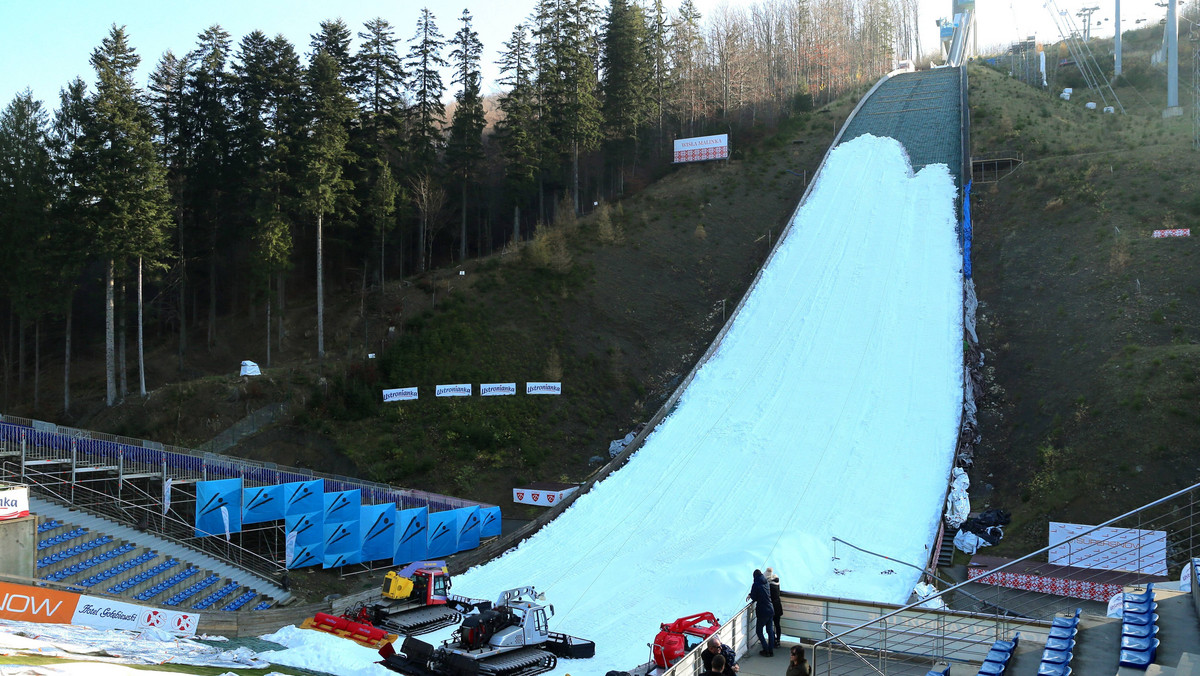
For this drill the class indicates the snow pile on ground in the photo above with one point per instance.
(830, 410)
(318, 651)
(117, 645)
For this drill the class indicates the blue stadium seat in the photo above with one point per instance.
(1139, 659)
(1008, 646)
(1139, 630)
(1140, 597)
(1071, 622)
(242, 600)
(263, 606)
(1045, 669)
(1065, 645)
(935, 672)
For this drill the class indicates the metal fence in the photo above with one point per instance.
(913, 636)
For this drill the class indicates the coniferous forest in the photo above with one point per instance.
(247, 170)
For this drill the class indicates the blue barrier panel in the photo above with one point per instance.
(412, 535)
(378, 524)
(338, 560)
(967, 231)
(342, 538)
(342, 507)
(489, 522)
(264, 503)
(303, 497)
(468, 528)
(309, 529)
(309, 555)
(217, 501)
(443, 534)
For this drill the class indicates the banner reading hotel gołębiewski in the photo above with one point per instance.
(106, 614)
(1143, 551)
(14, 502)
(39, 604)
(702, 148)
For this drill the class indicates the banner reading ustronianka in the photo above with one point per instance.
(400, 394)
(702, 148)
(497, 389)
(459, 390)
(543, 388)
(14, 502)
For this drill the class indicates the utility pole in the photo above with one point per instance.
(1172, 44)
(1117, 41)
(1085, 15)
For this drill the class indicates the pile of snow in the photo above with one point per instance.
(318, 651)
(830, 410)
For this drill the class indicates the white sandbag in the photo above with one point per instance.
(958, 508)
(249, 368)
(959, 479)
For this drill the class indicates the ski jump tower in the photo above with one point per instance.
(962, 21)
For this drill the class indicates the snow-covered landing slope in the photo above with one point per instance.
(830, 409)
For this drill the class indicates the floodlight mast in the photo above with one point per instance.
(1172, 31)
(1117, 41)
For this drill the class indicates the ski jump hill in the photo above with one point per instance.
(826, 413)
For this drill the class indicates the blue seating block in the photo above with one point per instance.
(242, 600)
(263, 605)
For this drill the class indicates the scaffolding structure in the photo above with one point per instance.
(153, 487)
(1024, 61)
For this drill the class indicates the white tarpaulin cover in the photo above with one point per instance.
(249, 368)
(958, 505)
(149, 646)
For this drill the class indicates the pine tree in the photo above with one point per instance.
(334, 40)
(425, 115)
(329, 109)
(517, 130)
(687, 54)
(124, 192)
(206, 129)
(378, 82)
(566, 57)
(464, 149)
(659, 62)
(626, 77)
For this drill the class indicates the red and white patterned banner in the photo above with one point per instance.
(542, 498)
(701, 148)
(1174, 232)
(1076, 589)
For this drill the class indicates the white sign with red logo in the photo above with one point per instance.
(400, 394)
(1174, 232)
(543, 388)
(542, 498)
(701, 148)
(460, 390)
(1131, 549)
(107, 614)
(14, 502)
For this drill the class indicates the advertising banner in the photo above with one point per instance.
(1129, 549)
(36, 604)
(460, 390)
(308, 555)
(543, 388)
(342, 538)
(14, 502)
(400, 394)
(702, 148)
(497, 389)
(541, 497)
(101, 613)
(1173, 232)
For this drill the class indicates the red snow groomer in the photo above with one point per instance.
(675, 640)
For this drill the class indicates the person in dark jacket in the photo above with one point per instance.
(764, 613)
(776, 603)
(797, 665)
(717, 668)
(714, 648)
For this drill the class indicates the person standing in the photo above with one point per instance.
(717, 668)
(797, 665)
(776, 604)
(764, 613)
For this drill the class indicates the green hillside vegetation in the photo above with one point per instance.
(1089, 325)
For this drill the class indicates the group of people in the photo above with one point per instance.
(719, 660)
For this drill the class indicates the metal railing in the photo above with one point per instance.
(916, 635)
